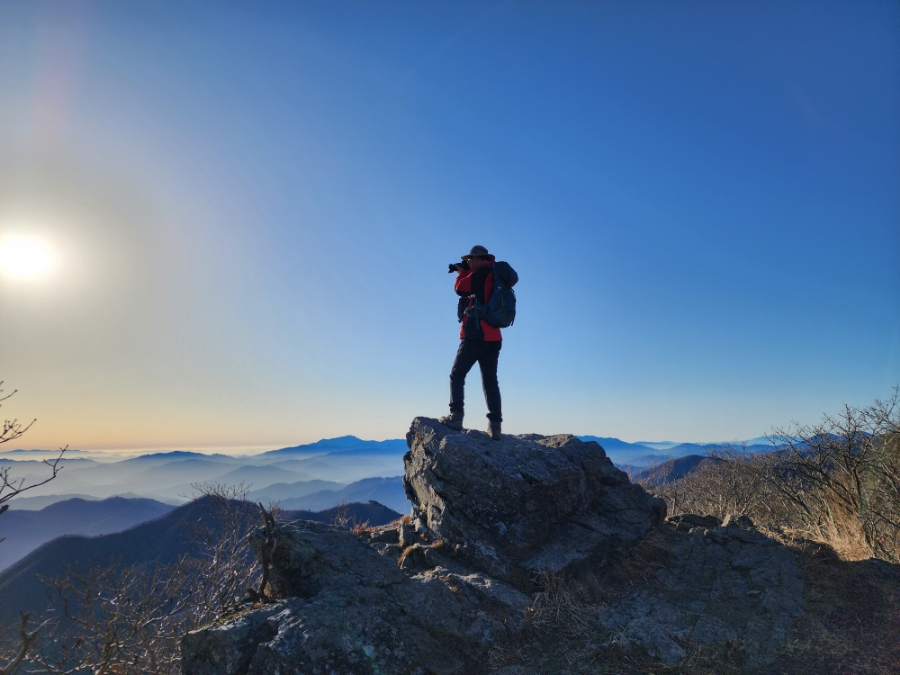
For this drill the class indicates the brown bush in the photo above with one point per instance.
(837, 482)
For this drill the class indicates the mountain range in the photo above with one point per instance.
(314, 475)
(102, 496)
(161, 540)
(636, 456)
(174, 477)
(22, 531)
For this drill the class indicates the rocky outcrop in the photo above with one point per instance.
(346, 608)
(524, 505)
(433, 592)
(726, 588)
(452, 589)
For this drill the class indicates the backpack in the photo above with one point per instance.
(500, 311)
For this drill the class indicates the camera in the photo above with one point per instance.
(463, 264)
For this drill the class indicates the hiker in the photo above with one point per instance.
(480, 341)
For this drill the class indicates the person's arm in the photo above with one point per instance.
(463, 285)
(476, 283)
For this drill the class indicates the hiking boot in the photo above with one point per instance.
(494, 430)
(452, 421)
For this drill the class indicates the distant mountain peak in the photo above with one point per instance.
(341, 443)
(22, 451)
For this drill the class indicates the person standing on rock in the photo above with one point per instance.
(479, 341)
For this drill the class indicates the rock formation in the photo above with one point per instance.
(464, 585)
(346, 608)
(524, 505)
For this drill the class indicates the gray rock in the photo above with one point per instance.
(690, 520)
(737, 520)
(227, 648)
(524, 504)
(407, 535)
(348, 609)
(744, 601)
(434, 593)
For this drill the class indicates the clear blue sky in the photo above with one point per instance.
(251, 207)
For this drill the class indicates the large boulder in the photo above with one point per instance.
(344, 605)
(524, 505)
(434, 592)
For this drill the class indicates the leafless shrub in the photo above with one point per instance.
(341, 515)
(265, 554)
(10, 487)
(14, 651)
(126, 619)
(842, 478)
(222, 544)
(121, 619)
(20, 649)
(734, 481)
(12, 429)
(837, 482)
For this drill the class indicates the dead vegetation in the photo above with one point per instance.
(131, 618)
(14, 650)
(557, 606)
(836, 482)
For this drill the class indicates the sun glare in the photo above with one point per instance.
(25, 258)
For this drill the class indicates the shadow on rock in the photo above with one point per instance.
(534, 555)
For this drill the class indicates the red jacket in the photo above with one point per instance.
(480, 283)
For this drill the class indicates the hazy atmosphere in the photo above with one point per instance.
(227, 225)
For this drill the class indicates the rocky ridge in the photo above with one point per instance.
(477, 578)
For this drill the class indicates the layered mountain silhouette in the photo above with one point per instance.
(311, 477)
(159, 541)
(175, 476)
(645, 454)
(23, 531)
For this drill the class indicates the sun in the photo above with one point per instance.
(25, 258)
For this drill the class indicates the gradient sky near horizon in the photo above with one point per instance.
(248, 210)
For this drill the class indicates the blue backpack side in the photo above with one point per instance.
(500, 311)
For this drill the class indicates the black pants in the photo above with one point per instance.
(486, 355)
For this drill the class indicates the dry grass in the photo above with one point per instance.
(405, 554)
(443, 546)
(556, 606)
(362, 528)
(837, 482)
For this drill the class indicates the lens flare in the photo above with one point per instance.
(25, 258)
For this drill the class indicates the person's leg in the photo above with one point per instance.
(487, 361)
(466, 356)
